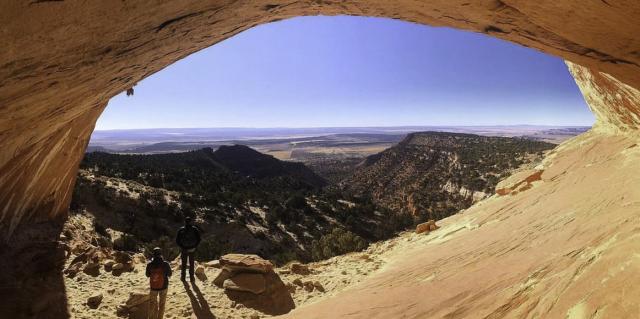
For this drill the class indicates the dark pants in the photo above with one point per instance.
(187, 254)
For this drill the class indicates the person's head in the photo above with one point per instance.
(187, 221)
(157, 252)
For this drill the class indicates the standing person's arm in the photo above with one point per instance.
(198, 236)
(178, 240)
(167, 269)
(148, 271)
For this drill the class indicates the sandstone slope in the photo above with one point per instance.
(565, 245)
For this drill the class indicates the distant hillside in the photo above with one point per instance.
(239, 168)
(243, 200)
(434, 174)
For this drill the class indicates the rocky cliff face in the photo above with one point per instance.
(61, 62)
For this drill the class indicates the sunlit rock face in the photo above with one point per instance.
(62, 61)
(615, 104)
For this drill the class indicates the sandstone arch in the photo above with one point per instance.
(62, 60)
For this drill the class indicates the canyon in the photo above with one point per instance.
(64, 60)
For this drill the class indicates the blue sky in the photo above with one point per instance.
(353, 71)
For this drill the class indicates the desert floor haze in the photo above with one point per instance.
(393, 187)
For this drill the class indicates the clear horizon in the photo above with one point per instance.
(324, 72)
(331, 127)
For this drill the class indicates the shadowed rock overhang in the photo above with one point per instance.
(62, 61)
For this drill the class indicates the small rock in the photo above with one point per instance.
(318, 286)
(108, 265)
(254, 316)
(213, 264)
(298, 282)
(308, 286)
(426, 227)
(200, 273)
(73, 270)
(92, 269)
(94, 301)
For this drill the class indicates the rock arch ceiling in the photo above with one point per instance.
(63, 60)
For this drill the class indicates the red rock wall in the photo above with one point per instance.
(61, 61)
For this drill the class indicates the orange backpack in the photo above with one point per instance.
(157, 278)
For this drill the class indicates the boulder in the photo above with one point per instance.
(136, 307)
(223, 275)
(300, 269)
(245, 263)
(318, 286)
(94, 301)
(250, 282)
(275, 300)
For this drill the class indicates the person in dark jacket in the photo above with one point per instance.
(158, 271)
(188, 239)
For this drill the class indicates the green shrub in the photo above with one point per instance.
(338, 242)
(210, 248)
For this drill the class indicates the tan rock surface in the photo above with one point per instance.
(253, 283)
(245, 263)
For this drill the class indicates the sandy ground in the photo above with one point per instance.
(205, 300)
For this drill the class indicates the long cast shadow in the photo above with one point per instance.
(199, 303)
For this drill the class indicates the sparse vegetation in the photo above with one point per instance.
(337, 242)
